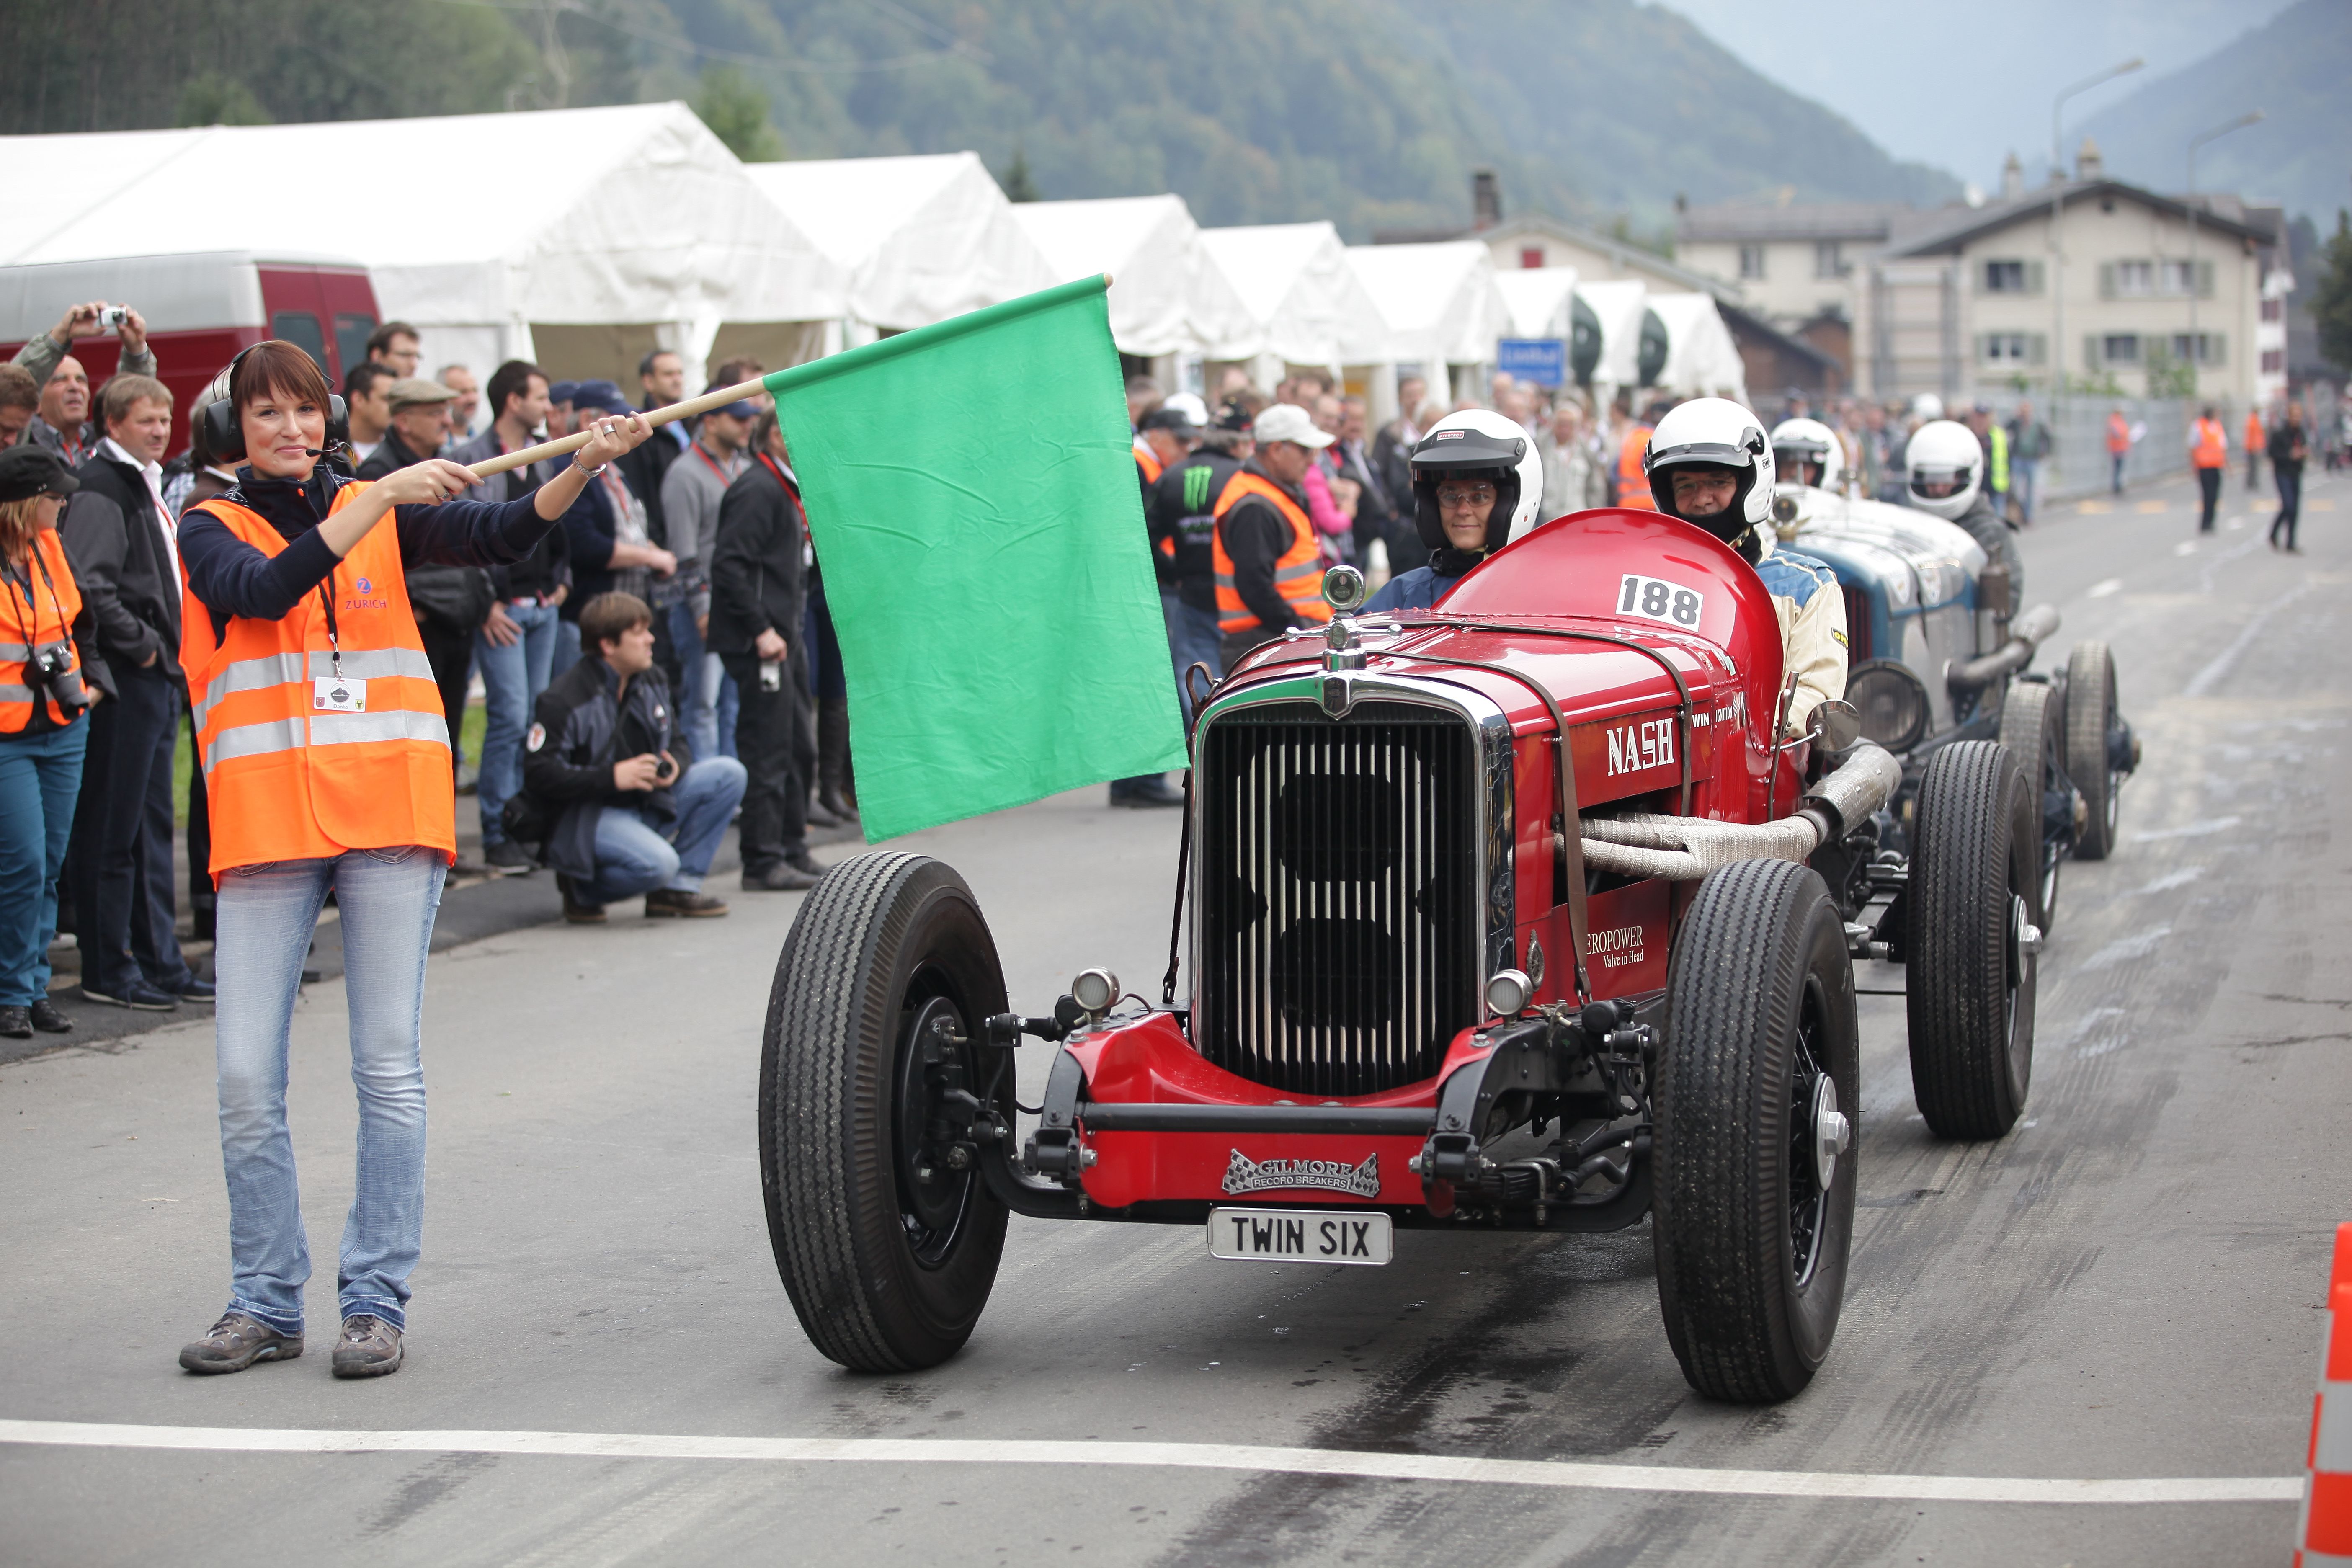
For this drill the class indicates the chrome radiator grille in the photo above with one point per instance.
(1340, 913)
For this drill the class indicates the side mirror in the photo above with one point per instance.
(1834, 725)
(1344, 589)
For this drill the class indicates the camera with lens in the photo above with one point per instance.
(50, 672)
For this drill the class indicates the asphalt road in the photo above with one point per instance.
(2124, 1290)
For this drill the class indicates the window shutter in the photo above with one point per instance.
(2204, 280)
(1984, 348)
(2033, 278)
(2213, 347)
(2090, 351)
(2037, 347)
(2106, 279)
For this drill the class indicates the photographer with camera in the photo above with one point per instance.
(622, 804)
(47, 644)
(63, 424)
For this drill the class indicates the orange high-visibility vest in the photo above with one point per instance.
(2255, 433)
(2118, 436)
(2212, 450)
(291, 777)
(1632, 484)
(1149, 463)
(45, 623)
(1298, 572)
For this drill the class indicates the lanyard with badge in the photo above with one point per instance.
(333, 693)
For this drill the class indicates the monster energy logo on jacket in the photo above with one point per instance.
(1183, 514)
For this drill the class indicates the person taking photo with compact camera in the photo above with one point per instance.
(326, 751)
(48, 644)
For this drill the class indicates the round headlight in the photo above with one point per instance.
(1509, 992)
(1892, 704)
(1095, 990)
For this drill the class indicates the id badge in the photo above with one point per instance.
(330, 694)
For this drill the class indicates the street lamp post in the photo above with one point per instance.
(2057, 201)
(2196, 350)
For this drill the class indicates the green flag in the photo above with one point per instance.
(972, 493)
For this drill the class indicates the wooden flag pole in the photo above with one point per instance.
(676, 411)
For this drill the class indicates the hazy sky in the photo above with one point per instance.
(1961, 86)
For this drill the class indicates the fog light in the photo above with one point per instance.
(1509, 992)
(1095, 990)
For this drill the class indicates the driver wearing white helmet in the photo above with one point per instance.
(1807, 452)
(1709, 465)
(1476, 482)
(1944, 472)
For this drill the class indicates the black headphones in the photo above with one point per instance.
(224, 432)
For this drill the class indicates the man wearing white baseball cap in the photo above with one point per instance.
(1269, 560)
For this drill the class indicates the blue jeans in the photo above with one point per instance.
(708, 703)
(512, 679)
(634, 857)
(2025, 484)
(1193, 638)
(567, 648)
(40, 777)
(387, 899)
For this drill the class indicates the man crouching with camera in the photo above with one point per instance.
(625, 808)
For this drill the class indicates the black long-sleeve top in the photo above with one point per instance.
(1257, 536)
(231, 577)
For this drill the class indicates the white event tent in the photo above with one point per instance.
(921, 238)
(1541, 300)
(1439, 301)
(1618, 305)
(641, 229)
(1166, 295)
(1309, 306)
(1701, 357)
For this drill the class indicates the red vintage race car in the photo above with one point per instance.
(1417, 998)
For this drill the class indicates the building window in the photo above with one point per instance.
(2176, 276)
(1751, 261)
(2274, 362)
(2135, 277)
(2006, 348)
(2004, 276)
(2271, 311)
(1829, 258)
(2120, 347)
(1531, 256)
(2204, 348)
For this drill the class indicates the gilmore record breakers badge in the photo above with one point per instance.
(1243, 1174)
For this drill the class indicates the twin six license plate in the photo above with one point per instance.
(1300, 1236)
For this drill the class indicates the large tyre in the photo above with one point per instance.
(1751, 1232)
(2033, 726)
(1975, 888)
(2090, 723)
(887, 1254)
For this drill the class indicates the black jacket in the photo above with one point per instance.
(642, 468)
(548, 565)
(1180, 517)
(582, 724)
(457, 596)
(1256, 535)
(115, 540)
(757, 581)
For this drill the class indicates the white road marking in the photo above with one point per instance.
(2169, 880)
(1557, 1474)
(2186, 547)
(2124, 949)
(2202, 827)
(2205, 679)
(2105, 586)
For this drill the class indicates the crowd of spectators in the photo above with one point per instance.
(619, 686)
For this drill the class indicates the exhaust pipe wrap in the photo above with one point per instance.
(2036, 627)
(1686, 848)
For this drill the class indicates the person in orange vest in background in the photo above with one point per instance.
(48, 643)
(325, 750)
(2118, 448)
(2256, 439)
(1267, 557)
(2208, 454)
(1166, 437)
(1633, 479)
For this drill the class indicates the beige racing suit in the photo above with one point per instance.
(1812, 608)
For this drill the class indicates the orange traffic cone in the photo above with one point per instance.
(2323, 1534)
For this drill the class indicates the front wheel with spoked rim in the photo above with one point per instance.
(1754, 1102)
(886, 1235)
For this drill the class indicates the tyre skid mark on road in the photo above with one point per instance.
(1553, 1474)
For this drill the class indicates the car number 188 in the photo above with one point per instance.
(1300, 1236)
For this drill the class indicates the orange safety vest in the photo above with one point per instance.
(2118, 434)
(2212, 446)
(1298, 574)
(2255, 433)
(46, 621)
(1149, 463)
(1632, 484)
(289, 776)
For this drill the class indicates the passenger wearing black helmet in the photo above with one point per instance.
(1476, 481)
(1709, 465)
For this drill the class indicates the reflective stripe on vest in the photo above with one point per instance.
(1632, 483)
(2212, 446)
(289, 780)
(47, 621)
(1298, 572)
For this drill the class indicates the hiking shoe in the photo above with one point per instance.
(369, 1347)
(15, 1023)
(670, 903)
(1146, 794)
(194, 990)
(577, 912)
(779, 877)
(48, 1017)
(235, 1343)
(802, 861)
(509, 859)
(138, 995)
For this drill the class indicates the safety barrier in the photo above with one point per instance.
(2323, 1534)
